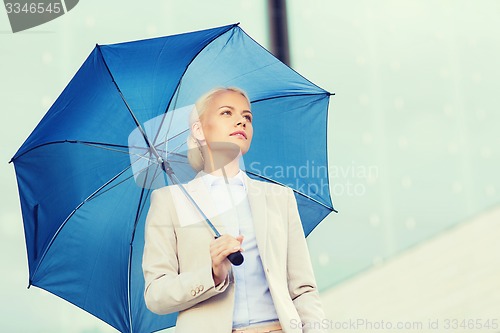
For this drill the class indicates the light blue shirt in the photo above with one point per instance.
(253, 302)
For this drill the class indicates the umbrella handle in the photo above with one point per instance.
(236, 258)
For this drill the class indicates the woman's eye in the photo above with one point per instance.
(249, 118)
(226, 112)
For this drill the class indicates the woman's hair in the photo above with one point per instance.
(195, 156)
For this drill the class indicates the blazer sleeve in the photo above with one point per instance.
(301, 281)
(166, 289)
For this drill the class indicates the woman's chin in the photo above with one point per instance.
(230, 148)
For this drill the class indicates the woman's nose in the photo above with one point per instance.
(242, 122)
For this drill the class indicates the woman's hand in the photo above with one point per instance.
(220, 248)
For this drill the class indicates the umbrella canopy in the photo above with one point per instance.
(86, 173)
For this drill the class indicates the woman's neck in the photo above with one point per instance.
(221, 159)
(228, 169)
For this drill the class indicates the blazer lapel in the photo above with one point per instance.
(258, 206)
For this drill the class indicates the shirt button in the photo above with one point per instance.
(201, 288)
(193, 292)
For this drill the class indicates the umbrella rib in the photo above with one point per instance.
(140, 208)
(142, 204)
(96, 144)
(178, 134)
(165, 115)
(95, 194)
(171, 138)
(136, 121)
(175, 151)
(294, 190)
(129, 287)
(296, 95)
(100, 145)
(118, 151)
(129, 268)
(139, 156)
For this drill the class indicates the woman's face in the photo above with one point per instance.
(227, 119)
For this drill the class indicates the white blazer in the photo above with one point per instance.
(178, 268)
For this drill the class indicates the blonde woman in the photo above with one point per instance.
(186, 270)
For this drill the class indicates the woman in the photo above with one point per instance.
(186, 270)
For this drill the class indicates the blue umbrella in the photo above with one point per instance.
(86, 173)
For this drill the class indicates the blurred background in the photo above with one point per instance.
(414, 148)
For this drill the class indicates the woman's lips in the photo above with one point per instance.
(241, 134)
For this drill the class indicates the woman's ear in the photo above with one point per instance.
(197, 131)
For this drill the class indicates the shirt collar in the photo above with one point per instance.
(211, 180)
